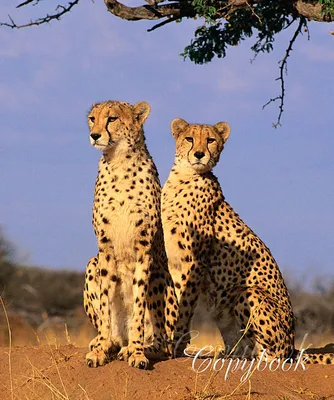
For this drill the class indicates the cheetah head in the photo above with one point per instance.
(115, 124)
(198, 147)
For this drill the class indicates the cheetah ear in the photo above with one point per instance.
(141, 110)
(223, 129)
(92, 107)
(177, 126)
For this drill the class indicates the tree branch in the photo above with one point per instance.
(165, 22)
(174, 10)
(26, 2)
(309, 9)
(60, 11)
(284, 69)
(150, 12)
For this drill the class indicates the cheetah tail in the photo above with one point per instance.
(323, 355)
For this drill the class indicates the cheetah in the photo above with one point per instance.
(212, 252)
(130, 273)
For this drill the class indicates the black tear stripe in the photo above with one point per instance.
(109, 134)
(209, 152)
(192, 145)
(207, 146)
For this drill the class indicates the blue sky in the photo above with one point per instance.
(281, 181)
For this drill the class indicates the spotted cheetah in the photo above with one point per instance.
(212, 251)
(130, 273)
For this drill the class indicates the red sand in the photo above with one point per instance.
(46, 372)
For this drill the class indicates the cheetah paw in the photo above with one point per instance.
(135, 357)
(110, 347)
(101, 352)
(124, 354)
(96, 358)
(138, 360)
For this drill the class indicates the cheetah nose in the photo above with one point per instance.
(95, 136)
(199, 154)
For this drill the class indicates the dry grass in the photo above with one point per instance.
(56, 387)
(9, 348)
(38, 376)
(206, 392)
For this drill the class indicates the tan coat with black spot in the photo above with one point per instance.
(212, 251)
(129, 276)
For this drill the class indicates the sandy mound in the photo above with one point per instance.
(49, 372)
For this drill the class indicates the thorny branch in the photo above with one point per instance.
(60, 11)
(284, 70)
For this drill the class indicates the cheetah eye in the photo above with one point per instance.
(189, 139)
(211, 140)
(111, 119)
(91, 119)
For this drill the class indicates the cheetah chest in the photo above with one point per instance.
(116, 220)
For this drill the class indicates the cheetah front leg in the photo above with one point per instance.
(188, 284)
(107, 341)
(92, 292)
(163, 308)
(134, 352)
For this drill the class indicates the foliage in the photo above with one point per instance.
(7, 267)
(205, 8)
(327, 8)
(42, 290)
(6, 249)
(212, 39)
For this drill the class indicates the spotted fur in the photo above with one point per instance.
(212, 251)
(129, 275)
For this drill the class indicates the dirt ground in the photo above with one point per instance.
(60, 372)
